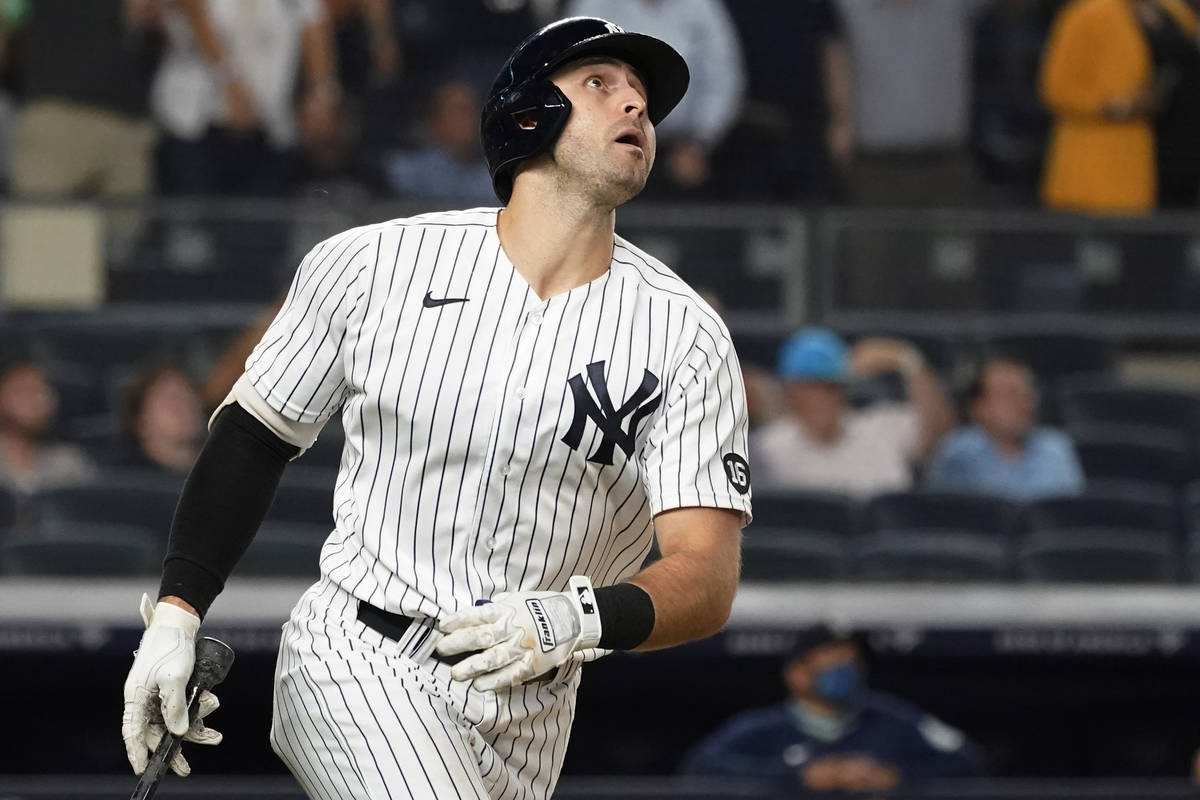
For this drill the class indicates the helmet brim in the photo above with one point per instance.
(662, 68)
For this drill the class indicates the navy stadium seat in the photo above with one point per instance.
(147, 501)
(301, 499)
(102, 351)
(780, 554)
(326, 452)
(928, 510)
(1191, 506)
(936, 536)
(1102, 555)
(1095, 511)
(1053, 354)
(1191, 522)
(9, 508)
(1128, 453)
(933, 555)
(1090, 404)
(285, 550)
(798, 509)
(1101, 539)
(83, 550)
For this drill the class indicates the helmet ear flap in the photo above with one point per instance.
(523, 124)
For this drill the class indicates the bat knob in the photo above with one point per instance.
(213, 660)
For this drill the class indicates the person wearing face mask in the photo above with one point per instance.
(833, 733)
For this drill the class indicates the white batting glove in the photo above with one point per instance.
(197, 732)
(520, 635)
(155, 689)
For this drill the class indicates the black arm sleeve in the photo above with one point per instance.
(224, 500)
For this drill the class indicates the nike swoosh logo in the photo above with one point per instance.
(431, 302)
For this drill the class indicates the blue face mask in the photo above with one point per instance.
(842, 686)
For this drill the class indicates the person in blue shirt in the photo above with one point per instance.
(1002, 451)
(833, 733)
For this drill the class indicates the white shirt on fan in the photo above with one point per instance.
(262, 48)
(874, 453)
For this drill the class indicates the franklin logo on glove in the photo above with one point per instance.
(545, 633)
(519, 636)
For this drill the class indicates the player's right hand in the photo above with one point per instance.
(156, 688)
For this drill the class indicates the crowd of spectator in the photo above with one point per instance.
(943, 102)
(816, 439)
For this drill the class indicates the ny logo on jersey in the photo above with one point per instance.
(600, 410)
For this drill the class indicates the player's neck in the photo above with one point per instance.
(555, 244)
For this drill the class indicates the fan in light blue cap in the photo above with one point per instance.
(815, 355)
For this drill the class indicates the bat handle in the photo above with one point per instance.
(148, 784)
(213, 659)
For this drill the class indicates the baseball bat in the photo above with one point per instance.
(213, 660)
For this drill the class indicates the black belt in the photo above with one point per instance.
(393, 626)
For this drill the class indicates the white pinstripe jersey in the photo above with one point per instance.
(496, 441)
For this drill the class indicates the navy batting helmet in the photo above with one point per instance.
(523, 92)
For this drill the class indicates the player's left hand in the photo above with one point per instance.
(518, 636)
(156, 687)
(197, 732)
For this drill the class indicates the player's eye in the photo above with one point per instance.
(594, 82)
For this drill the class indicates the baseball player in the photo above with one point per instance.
(528, 401)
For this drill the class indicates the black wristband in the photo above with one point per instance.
(226, 496)
(626, 616)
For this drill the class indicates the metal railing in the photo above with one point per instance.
(771, 267)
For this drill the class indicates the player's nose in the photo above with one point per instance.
(632, 101)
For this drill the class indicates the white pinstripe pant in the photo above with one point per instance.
(357, 717)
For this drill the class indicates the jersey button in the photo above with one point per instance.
(491, 543)
(505, 470)
(536, 319)
(520, 393)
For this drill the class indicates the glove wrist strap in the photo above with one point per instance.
(584, 599)
(169, 615)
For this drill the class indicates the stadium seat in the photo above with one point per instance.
(933, 555)
(284, 550)
(1089, 404)
(303, 500)
(1101, 539)
(823, 512)
(1154, 513)
(1054, 354)
(1128, 453)
(9, 508)
(780, 554)
(1191, 506)
(326, 452)
(100, 349)
(923, 510)
(757, 347)
(83, 550)
(80, 395)
(936, 536)
(147, 501)
(1191, 522)
(1103, 555)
